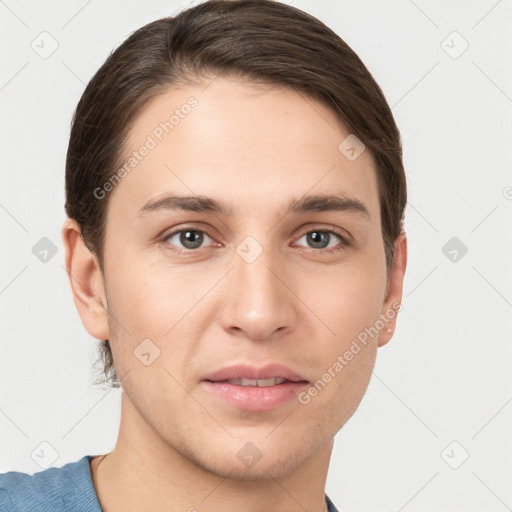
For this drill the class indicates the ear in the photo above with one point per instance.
(393, 300)
(86, 281)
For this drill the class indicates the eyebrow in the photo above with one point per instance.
(307, 204)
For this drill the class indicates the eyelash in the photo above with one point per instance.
(344, 244)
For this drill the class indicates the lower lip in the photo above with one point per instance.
(253, 398)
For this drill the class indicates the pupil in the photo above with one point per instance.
(191, 239)
(317, 237)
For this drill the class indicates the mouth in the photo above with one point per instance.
(254, 389)
(260, 383)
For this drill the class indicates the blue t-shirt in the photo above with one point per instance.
(64, 489)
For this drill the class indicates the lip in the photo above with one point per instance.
(253, 398)
(246, 371)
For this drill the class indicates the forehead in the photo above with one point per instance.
(245, 144)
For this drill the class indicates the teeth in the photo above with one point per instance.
(261, 383)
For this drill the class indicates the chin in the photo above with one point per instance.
(261, 471)
(249, 464)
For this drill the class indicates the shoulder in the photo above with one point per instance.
(55, 489)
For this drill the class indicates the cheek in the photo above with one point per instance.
(348, 304)
(340, 384)
(158, 303)
(346, 301)
(151, 299)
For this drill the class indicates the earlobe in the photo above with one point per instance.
(393, 300)
(86, 281)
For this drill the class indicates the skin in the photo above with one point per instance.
(255, 148)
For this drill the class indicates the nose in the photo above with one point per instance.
(258, 299)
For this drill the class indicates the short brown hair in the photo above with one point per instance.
(259, 40)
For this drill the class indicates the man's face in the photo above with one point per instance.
(255, 285)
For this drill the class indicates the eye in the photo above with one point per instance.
(325, 239)
(189, 239)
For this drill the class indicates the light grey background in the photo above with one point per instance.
(443, 381)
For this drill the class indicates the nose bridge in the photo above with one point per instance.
(258, 302)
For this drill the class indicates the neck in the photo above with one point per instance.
(143, 472)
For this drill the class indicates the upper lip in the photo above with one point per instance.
(245, 371)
